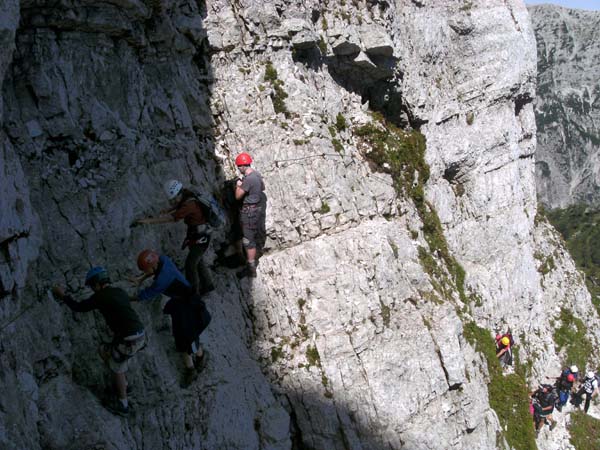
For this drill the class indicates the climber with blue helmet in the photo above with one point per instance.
(187, 206)
(250, 190)
(128, 332)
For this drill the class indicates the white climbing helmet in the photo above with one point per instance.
(590, 375)
(573, 369)
(172, 188)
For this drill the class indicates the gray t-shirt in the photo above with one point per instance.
(253, 186)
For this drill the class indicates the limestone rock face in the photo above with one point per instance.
(352, 335)
(567, 106)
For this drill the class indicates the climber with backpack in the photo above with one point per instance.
(589, 387)
(189, 316)
(543, 400)
(504, 343)
(250, 190)
(129, 336)
(564, 385)
(199, 213)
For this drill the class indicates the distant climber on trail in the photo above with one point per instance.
(187, 206)
(189, 316)
(589, 387)
(543, 400)
(250, 189)
(504, 343)
(564, 385)
(129, 336)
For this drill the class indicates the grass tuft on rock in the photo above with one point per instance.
(571, 337)
(279, 95)
(508, 395)
(585, 431)
(312, 356)
(401, 153)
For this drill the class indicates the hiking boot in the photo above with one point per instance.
(248, 271)
(200, 362)
(205, 289)
(189, 376)
(115, 406)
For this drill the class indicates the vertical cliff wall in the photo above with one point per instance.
(384, 246)
(567, 106)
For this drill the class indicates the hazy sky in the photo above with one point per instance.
(579, 4)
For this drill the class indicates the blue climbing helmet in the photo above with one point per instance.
(95, 275)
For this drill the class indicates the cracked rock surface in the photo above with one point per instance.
(346, 340)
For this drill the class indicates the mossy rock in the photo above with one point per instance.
(508, 395)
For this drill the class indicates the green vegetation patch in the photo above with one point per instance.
(279, 95)
(312, 356)
(340, 122)
(580, 227)
(401, 153)
(508, 395)
(322, 45)
(571, 337)
(337, 146)
(585, 431)
(276, 353)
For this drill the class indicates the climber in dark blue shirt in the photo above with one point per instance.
(189, 316)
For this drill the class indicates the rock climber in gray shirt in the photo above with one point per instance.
(253, 212)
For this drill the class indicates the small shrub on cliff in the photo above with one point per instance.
(313, 357)
(279, 95)
(571, 338)
(340, 122)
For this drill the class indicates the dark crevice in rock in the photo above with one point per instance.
(4, 244)
(383, 4)
(439, 353)
(527, 156)
(295, 429)
(310, 57)
(521, 101)
(372, 77)
(3, 291)
(451, 173)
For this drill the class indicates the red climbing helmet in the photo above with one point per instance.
(570, 378)
(147, 259)
(243, 159)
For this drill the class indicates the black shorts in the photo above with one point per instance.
(253, 226)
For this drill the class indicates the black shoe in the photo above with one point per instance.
(189, 376)
(206, 289)
(201, 362)
(248, 271)
(115, 406)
